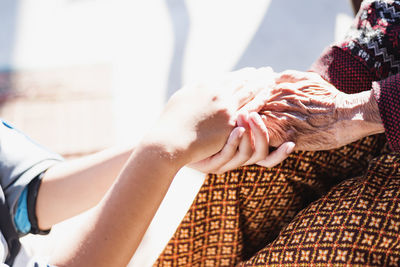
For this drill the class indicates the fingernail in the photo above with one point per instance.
(243, 120)
(255, 118)
(290, 147)
(241, 131)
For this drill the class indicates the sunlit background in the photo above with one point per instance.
(82, 75)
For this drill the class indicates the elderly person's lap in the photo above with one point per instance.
(336, 206)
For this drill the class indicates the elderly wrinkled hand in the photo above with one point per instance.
(304, 108)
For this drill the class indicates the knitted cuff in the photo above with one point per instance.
(347, 73)
(387, 95)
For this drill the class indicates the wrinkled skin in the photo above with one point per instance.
(304, 108)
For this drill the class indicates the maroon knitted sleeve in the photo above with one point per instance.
(388, 97)
(369, 58)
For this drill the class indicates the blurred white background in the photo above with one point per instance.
(82, 75)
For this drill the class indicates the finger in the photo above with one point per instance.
(245, 148)
(228, 151)
(260, 137)
(278, 155)
(246, 143)
(213, 164)
(242, 155)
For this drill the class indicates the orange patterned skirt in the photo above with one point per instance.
(337, 207)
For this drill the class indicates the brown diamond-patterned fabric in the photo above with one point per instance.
(355, 224)
(239, 214)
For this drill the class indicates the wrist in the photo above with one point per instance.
(166, 150)
(361, 112)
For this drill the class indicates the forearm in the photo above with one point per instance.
(74, 186)
(111, 232)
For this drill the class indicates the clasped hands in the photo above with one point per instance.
(291, 111)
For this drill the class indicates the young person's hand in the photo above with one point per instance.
(198, 119)
(247, 144)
